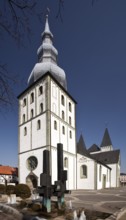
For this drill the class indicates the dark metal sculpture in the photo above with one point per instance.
(58, 189)
(60, 185)
(45, 182)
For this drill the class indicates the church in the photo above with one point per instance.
(98, 167)
(47, 117)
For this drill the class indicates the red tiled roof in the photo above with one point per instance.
(7, 170)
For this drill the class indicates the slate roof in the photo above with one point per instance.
(81, 149)
(107, 157)
(106, 141)
(93, 148)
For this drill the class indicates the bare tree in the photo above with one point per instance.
(15, 18)
(6, 91)
(14, 21)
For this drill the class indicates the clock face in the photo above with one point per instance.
(32, 163)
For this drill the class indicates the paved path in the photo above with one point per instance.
(107, 200)
(111, 201)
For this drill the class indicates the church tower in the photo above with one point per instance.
(46, 117)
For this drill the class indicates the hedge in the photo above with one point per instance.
(23, 191)
(10, 189)
(2, 189)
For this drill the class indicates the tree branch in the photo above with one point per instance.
(6, 87)
(61, 6)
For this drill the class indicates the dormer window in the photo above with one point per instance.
(32, 97)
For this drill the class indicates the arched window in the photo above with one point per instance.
(55, 125)
(41, 108)
(66, 162)
(38, 125)
(25, 131)
(32, 97)
(70, 109)
(32, 113)
(69, 120)
(70, 134)
(63, 115)
(100, 173)
(62, 100)
(40, 90)
(83, 171)
(23, 118)
(63, 130)
(24, 102)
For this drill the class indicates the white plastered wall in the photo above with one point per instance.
(104, 181)
(24, 171)
(85, 183)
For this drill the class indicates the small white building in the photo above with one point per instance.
(8, 175)
(123, 179)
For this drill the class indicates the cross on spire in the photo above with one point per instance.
(47, 11)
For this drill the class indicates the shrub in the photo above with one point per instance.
(10, 189)
(2, 189)
(23, 191)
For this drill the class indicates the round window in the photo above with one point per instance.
(32, 163)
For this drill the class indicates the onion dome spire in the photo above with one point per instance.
(47, 52)
(47, 59)
(47, 29)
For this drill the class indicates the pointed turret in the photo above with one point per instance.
(47, 59)
(106, 143)
(81, 147)
(94, 149)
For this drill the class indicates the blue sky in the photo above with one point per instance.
(91, 42)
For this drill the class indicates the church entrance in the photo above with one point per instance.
(32, 181)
